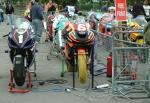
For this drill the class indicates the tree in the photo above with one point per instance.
(66, 2)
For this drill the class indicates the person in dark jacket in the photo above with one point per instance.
(9, 13)
(138, 9)
(36, 14)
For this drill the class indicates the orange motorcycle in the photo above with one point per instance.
(105, 23)
(79, 48)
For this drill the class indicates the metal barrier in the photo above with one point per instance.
(130, 66)
(103, 48)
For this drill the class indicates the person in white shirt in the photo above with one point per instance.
(146, 7)
(70, 10)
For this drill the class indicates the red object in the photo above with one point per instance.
(49, 34)
(109, 66)
(12, 88)
(121, 9)
(50, 27)
(133, 76)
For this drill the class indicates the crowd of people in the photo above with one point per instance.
(35, 12)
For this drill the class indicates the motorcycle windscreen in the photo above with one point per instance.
(21, 34)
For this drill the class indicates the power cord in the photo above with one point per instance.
(52, 81)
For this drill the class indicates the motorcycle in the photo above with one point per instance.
(79, 48)
(55, 45)
(22, 45)
(50, 34)
(105, 23)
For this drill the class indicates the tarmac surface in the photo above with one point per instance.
(52, 92)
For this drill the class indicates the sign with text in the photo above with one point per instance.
(120, 10)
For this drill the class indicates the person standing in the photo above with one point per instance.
(138, 9)
(36, 14)
(26, 13)
(9, 13)
(146, 7)
(50, 7)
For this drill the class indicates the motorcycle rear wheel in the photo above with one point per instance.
(82, 68)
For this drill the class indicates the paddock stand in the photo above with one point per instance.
(11, 84)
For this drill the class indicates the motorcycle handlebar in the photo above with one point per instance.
(6, 35)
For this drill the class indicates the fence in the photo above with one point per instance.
(130, 66)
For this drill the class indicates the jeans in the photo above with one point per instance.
(37, 26)
(10, 19)
(0, 18)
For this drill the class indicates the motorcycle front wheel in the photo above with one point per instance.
(19, 71)
(82, 68)
(19, 77)
(19, 81)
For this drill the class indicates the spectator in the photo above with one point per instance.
(26, 13)
(9, 13)
(36, 14)
(50, 7)
(138, 9)
(70, 10)
(146, 7)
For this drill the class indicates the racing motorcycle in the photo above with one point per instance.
(105, 23)
(21, 42)
(50, 33)
(78, 49)
(55, 44)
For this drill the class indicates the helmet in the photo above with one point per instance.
(81, 30)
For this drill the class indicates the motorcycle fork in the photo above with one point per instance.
(75, 52)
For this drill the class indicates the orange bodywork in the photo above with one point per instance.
(70, 44)
(81, 51)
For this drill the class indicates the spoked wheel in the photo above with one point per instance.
(82, 68)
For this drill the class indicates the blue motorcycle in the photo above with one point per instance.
(21, 41)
